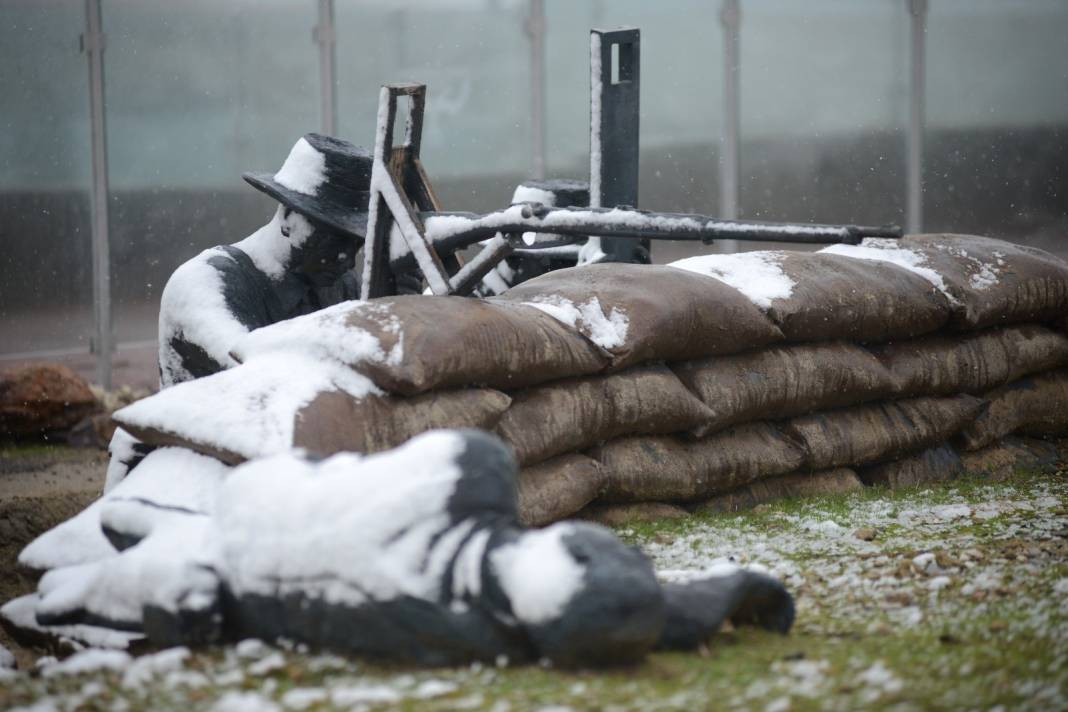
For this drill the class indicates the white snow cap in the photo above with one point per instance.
(304, 170)
(757, 275)
(538, 573)
(881, 249)
(326, 335)
(607, 330)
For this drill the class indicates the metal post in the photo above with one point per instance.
(535, 27)
(729, 160)
(917, 96)
(93, 46)
(324, 36)
(615, 94)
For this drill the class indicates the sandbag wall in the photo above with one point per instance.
(719, 381)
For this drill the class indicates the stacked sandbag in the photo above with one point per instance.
(717, 382)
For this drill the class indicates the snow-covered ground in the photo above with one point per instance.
(952, 597)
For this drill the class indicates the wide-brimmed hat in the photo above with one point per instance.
(325, 179)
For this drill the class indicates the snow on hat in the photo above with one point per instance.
(325, 179)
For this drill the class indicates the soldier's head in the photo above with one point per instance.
(323, 188)
(319, 254)
(582, 595)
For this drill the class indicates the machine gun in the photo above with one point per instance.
(407, 231)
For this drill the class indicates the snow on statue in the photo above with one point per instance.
(297, 263)
(414, 554)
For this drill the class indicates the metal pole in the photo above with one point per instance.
(535, 27)
(730, 162)
(93, 46)
(324, 36)
(917, 95)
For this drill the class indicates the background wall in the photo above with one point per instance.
(199, 91)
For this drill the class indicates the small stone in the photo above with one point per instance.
(663, 538)
(864, 534)
(901, 598)
(998, 625)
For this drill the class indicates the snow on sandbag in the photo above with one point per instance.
(616, 515)
(171, 477)
(938, 464)
(575, 414)
(1005, 457)
(827, 297)
(666, 468)
(335, 422)
(870, 433)
(988, 282)
(972, 363)
(412, 344)
(557, 488)
(244, 412)
(1031, 406)
(648, 312)
(794, 484)
(784, 381)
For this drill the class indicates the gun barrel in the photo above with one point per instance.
(451, 231)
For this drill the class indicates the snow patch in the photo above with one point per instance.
(170, 477)
(538, 574)
(192, 307)
(87, 661)
(249, 410)
(346, 529)
(304, 170)
(757, 275)
(881, 249)
(609, 331)
(328, 335)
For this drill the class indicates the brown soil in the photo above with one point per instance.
(39, 488)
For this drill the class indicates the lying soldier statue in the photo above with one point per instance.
(413, 554)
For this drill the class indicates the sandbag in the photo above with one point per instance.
(1011, 454)
(278, 401)
(667, 468)
(938, 464)
(784, 381)
(575, 414)
(557, 488)
(972, 363)
(618, 515)
(648, 312)
(1031, 406)
(827, 297)
(795, 484)
(994, 282)
(336, 422)
(412, 344)
(881, 431)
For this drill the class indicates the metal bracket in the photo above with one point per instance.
(400, 190)
(615, 94)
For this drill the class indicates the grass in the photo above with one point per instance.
(873, 631)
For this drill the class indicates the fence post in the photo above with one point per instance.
(324, 36)
(103, 341)
(917, 97)
(729, 160)
(535, 28)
